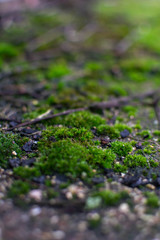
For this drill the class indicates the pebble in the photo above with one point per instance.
(35, 211)
(124, 208)
(15, 162)
(150, 186)
(58, 235)
(54, 220)
(82, 226)
(36, 195)
(125, 133)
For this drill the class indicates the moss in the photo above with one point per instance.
(152, 200)
(8, 51)
(61, 132)
(153, 163)
(137, 126)
(149, 149)
(69, 156)
(65, 157)
(156, 133)
(145, 134)
(93, 67)
(109, 131)
(130, 110)
(120, 168)
(8, 144)
(18, 188)
(51, 100)
(51, 193)
(103, 157)
(26, 172)
(135, 161)
(83, 119)
(58, 70)
(117, 90)
(94, 220)
(93, 202)
(121, 148)
(121, 127)
(111, 198)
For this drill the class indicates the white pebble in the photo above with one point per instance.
(58, 235)
(35, 211)
(36, 194)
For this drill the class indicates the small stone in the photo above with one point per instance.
(39, 180)
(69, 195)
(54, 220)
(28, 130)
(14, 153)
(13, 123)
(82, 226)
(27, 147)
(124, 208)
(15, 162)
(150, 186)
(98, 180)
(36, 195)
(125, 133)
(138, 146)
(28, 162)
(58, 235)
(35, 211)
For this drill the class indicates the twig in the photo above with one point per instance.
(114, 103)
(51, 116)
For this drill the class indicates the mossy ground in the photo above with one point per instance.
(118, 58)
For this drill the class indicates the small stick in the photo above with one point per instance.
(51, 116)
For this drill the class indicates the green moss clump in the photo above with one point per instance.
(135, 161)
(71, 157)
(121, 127)
(153, 163)
(121, 148)
(103, 157)
(109, 131)
(8, 144)
(18, 188)
(145, 134)
(26, 172)
(120, 168)
(117, 90)
(65, 157)
(8, 51)
(83, 119)
(61, 132)
(130, 110)
(110, 198)
(152, 200)
(157, 133)
(58, 70)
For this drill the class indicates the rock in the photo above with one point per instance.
(125, 133)
(138, 146)
(39, 180)
(28, 162)
(58, 235)
(36, 194)
(27, 147)
(15, 162)
(35, 211)
(98, 180)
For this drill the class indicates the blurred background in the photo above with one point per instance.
(84, 50)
